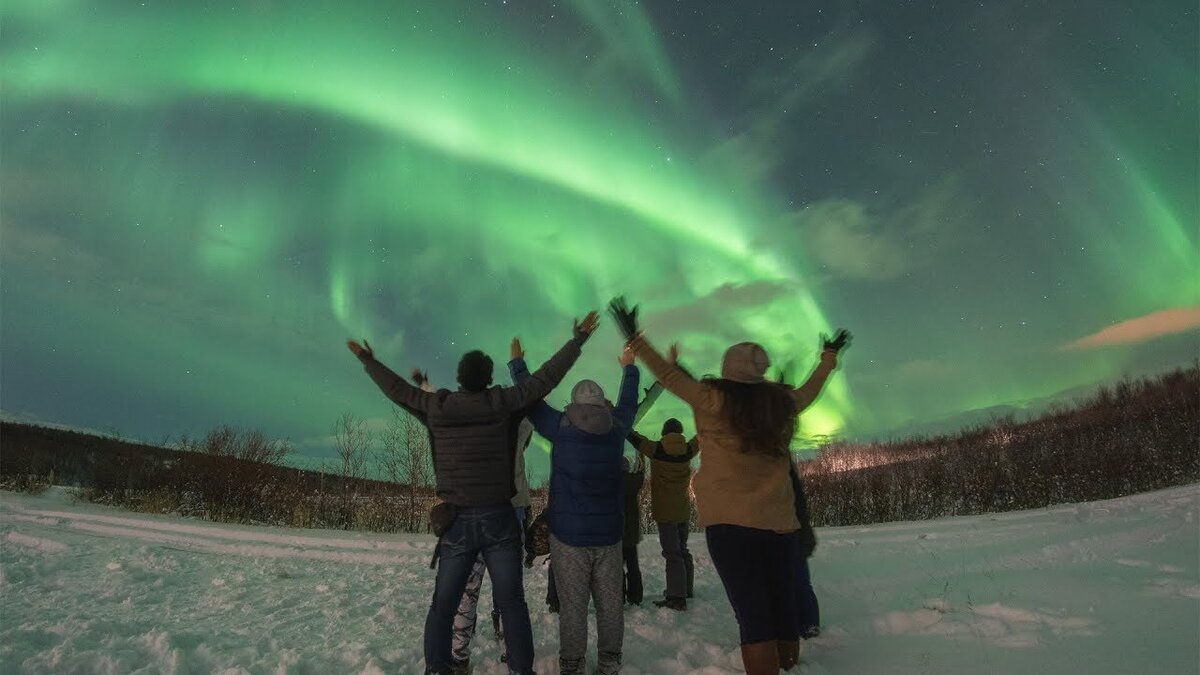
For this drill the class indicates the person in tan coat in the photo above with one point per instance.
(744, 495)
(670, 505)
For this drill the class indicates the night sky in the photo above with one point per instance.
(202, 201)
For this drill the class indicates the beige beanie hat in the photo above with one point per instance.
(745, 362)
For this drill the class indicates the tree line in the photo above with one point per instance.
(1133, 436)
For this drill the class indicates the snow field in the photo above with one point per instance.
(1103, 587)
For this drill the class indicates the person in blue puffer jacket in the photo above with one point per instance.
(587, 513)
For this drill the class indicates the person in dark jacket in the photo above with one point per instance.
(587, 513)
(474, 436)
(671, 507)
(635, 477)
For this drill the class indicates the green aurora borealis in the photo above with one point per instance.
(201, 202)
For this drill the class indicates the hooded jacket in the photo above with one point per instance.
(474, 434)
(734, 487)
(670, 474)
(587, 439)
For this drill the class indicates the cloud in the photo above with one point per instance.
(847, 241)
(851, 241)
(714, 310)
(1141, 329)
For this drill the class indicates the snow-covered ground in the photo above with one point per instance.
(1104, 587)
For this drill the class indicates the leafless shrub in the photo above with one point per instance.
(1135, 436)
(404, 457)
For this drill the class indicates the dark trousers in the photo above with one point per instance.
(494, 531)
(758, 569)
(809, 613)
(633, 575)
(673, 538)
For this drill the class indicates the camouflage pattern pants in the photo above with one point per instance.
(464, 620)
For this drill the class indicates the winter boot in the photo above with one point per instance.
(460, 667)
(677, 604)
(761, 658)
(789, 654)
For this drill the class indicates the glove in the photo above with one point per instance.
(839, 341)
(625, 318)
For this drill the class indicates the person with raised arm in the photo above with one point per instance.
(474, 437)
(671, 506)
(587, 513)
(465, 618)
(744, 494)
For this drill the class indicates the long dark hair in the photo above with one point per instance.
(762, 415)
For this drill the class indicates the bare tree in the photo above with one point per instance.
(352, 441)
(404, 457)
(250, 444)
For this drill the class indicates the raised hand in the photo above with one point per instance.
(361, 351)
(584, 329)
(673, 353)
(627, 356)
(839, 341)
(515, 350)
(419, 377)
(624, 316)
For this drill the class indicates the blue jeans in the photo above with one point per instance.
(464, 622)
(494, 532)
